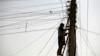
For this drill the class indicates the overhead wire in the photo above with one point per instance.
(62, 7)
(16, 32)
(32, 11)
(30, 43)
(27, 31)
(86, 30)
(31, 6)
(19, 28)
(46, 43)
(19, 22)
(89, 31)
(52, 45)
(52, 20)
(12, 18)
(13, 24)
(51, 48)
(22, 21)
(25, 46)
(67, 36)
(31, 25)
(88, 45)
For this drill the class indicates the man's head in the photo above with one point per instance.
(61, 25)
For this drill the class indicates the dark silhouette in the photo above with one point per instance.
(61, 38)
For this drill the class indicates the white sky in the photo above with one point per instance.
(32, 43)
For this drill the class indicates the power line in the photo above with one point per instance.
(23, 7)
(82, 28)
(90, 31)
(32, 11)
(27, 31)
(14, 28)
(87, 44)
(23, 21)
(19, 22)
(62, 7)
(46, 43)
(27, 15)
(19, 28)
(30, 43)
(51, 48)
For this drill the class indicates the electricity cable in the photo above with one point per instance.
(32, 11)
(51, 48)
(27, 31)
(31, 25)
(23, 7)
(30, 43)
(20, 22)
(27, 15)
(46, 43)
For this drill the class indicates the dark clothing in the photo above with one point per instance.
(61, 39)
(61, 42)
(61, 34)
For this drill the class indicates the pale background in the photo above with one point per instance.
(40, 37)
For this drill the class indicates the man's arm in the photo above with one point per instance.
(66, 34)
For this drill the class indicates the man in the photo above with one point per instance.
(61, 38)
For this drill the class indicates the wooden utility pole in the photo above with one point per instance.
(72, 26)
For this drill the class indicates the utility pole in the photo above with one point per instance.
(72, 30)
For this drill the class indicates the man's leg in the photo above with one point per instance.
(59, 51)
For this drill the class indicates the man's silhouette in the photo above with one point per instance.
(61, 38)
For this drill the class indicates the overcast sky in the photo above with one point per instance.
(28, 28)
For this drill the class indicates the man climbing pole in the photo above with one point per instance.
(61, 38)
